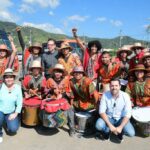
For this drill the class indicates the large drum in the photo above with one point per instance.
(85, 122)
(53, 112)
(142, 117)
(30, 111)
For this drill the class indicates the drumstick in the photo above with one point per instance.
(33, 92)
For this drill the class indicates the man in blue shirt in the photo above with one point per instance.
(115, 111)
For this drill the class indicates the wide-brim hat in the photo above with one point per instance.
(124, 49)
(4, 47)
(78, 69)
(137, 45)
(36, 64)
(147, 54)
(138, 67)
(65, 45)
(58, 67)
(35, 45)
(9, 72)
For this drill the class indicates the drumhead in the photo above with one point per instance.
(32, 102)
(141, 114)
(83, 114)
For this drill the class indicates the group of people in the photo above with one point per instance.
(111, 86)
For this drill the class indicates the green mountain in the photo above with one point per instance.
(42, 36)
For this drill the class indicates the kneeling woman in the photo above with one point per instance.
(10, 103)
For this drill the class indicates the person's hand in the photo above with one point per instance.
(27, 95)
(59, 96)
(113, 129)
(74, 31)
(12, 116)
(10, 38)
(18, 29)
(119, 129)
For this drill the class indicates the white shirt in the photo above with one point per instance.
(116, 108)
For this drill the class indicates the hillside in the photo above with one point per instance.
(42, 36)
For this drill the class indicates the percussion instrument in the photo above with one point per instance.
(30, 111)
(142, 117)
(53, 112)
(85, 122)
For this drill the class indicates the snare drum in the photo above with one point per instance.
(142, 117)
(30, 111)
(53, 115)
(85, 122)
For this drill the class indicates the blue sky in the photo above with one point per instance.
(94, 18)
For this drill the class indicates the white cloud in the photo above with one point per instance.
(25, 8)
(116, 23)
(43, 3)
(45, 26)
(5, 14)
(101, 19)
(78, 18)
(51, 13)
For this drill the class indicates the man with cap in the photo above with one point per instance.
(122, 55)
(35, 54)
(139, 89)
(58, 86)
(50, 58)
(68, 59)
(10, 103)
(83, 92)
(138, 50)
(34, 84)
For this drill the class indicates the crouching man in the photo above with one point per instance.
(115, 111)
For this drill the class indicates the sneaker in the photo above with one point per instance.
(106, 136)
(1, 139)
(120, 137)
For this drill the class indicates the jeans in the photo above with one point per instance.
(102, 126)
(12, 125)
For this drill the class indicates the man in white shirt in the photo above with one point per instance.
(115, 111)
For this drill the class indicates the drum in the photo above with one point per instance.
(30, 111)
(85, 122)
(53, 112)
(142, 117)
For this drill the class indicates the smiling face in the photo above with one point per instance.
(9, 80)
(51, 45)
(115, 87)
(36, 71)
(139, 74)
(123, 54)
(65, 51)
(147, 62)
(106, 59)
(58, 74)
(93, 49)
(3, 53)
(78, 75)
(36, 50)
(137, 50)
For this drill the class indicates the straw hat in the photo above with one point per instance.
(137, 45)
(147, 54)
(35, 45)
(124, 49)
(8, 72)
(4, 47)
(58, 67)
(36, 64)
(138, 67)
(65, 45)
(78, 69)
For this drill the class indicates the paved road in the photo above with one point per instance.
(33, 139)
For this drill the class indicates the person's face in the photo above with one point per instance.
(137, 50)
(9, 80)
(123, 54)
(51, 45)
(139, 74)
(65, 51)
(36, 71)
(3, 53)
(58, 74)
(114, 87)
(93, 49)
(147, 61)
(106, 59)
(78, 75)
(36, 50)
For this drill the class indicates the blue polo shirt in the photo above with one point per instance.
(10, 101)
